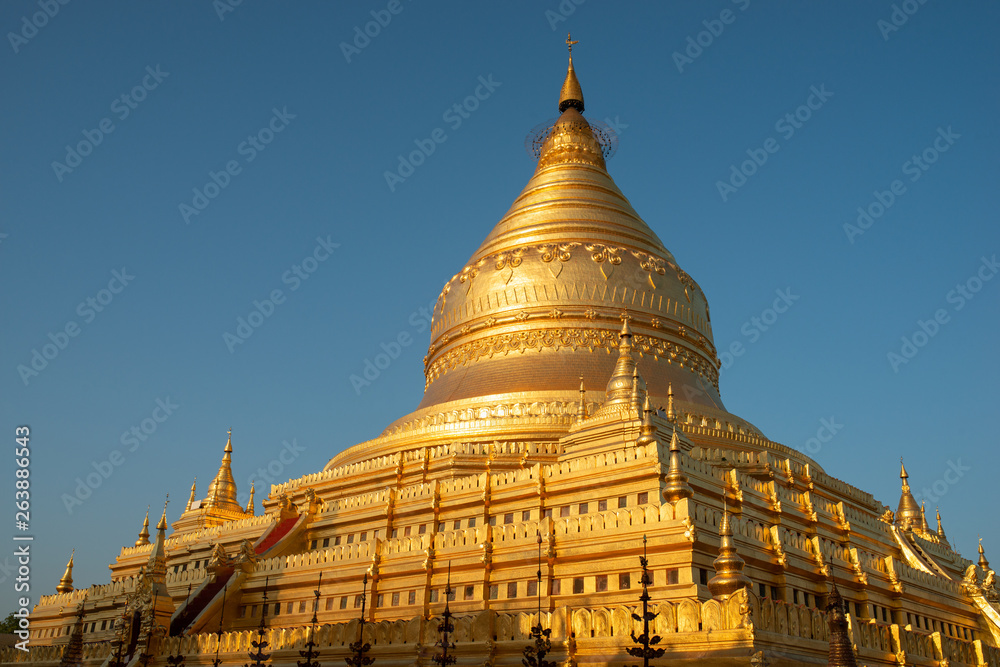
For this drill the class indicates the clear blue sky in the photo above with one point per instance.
(206, 84)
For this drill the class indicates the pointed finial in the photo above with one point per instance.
(144, 533)
(250, 502)
(676, 484)
(984, 564)
(569, 44)
(638, 389)
(841, 650)
(671, 415)
(626, 329)
(162, 525)
(648, 431)
(940, 528)
(923, 518)
(581, 410)
(190, 501)
(729, 576)
(229, 442)
(908, 514)
(571, 94)
(66, 583)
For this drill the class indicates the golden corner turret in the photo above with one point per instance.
(66, 582)
(219, 504)
(675, 483)
(729, 576)
(908, 515)
(144, 533)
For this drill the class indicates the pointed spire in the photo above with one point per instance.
(619, 389)
(250, 502)
(144, 533)
(638, 390)
(66, 583)
(648, 431)
(729, 576)
(671, 415)
(571, 94)
(984, 564)
(581, 410)
(908, 513)
(156, 567)
(676, 484)
(940, 529)
(841, 652)
(222, 491)
(194, 490)
(923, 518)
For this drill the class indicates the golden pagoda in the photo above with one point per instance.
(548, 454)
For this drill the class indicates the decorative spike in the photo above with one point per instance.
(191, 499)
(984, 564)
(676, 484)
(250, 502)
(619, 390)
(648, 431)
(923, 519)
(144, 533)
(571, 94)
(841, 653)
(581, 411)
(729, 576)
(940, 529)
(66, 583)
(222, 491)
(156, 567)
(671, 415)
(638, 390)
(908, 514)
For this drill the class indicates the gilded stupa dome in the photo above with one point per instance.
(540, 303)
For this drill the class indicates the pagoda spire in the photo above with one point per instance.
(940, 528)
(619, 389)
(222, 490)
(581, 410)
(194, 490)
(66, 583)
(156, 567)
(671, 415)
(250, 502)
(648, 432)
(908, 512)
(144, 533)
(926, 529)
(841, 653)
(984, 564)
(571, 94)
(729, 576)
(675, 482)
(638, 390)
